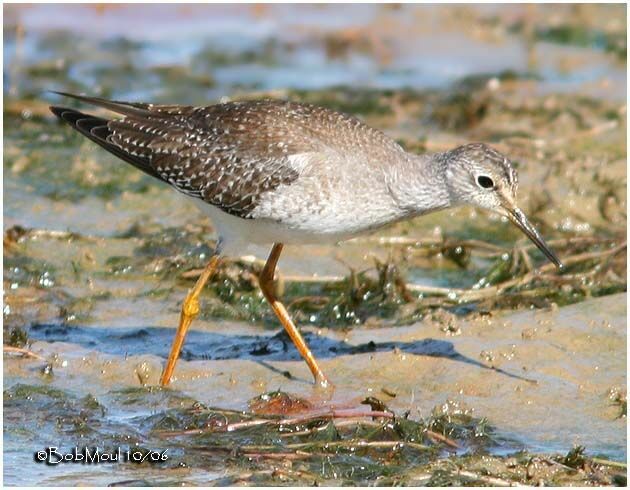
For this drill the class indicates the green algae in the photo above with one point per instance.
(614, 43)
(76, 175)
(363, 102)
(17, 337)
(330, 447)
(343, 447)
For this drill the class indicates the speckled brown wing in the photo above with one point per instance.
(228, 154)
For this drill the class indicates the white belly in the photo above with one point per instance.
(236, 233)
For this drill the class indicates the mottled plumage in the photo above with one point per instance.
(228, 154)
(296, 173)
(283, 172)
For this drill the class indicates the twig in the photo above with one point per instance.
(332, 414)
(313, 279)
(607, 462)
(326, 444)
(339, 424)
(466, 295)
(432, 243)
(442, 438)
(184, 432)
(489, 480)
(59, 234)
(421, 479)
(396, 240)
(553, 462)
(592, 131)
(476, 244)
(471, 295)
(247, 424)
(438, 291)
(18, 350)
(304, 432)
(191, 274)
(320, 300)
(526, 259)
(329, 414)
(283, 456)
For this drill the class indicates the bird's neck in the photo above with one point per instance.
(418, 184)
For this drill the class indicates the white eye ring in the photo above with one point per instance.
(485, 182)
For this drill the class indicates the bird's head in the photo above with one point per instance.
(479, 175)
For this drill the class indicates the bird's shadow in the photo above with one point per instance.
(216, 346)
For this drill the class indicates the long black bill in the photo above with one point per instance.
(519, 219)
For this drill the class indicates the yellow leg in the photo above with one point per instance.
(266, 285)
(190, 309)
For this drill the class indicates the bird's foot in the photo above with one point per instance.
(322, 382)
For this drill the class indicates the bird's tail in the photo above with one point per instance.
(97, 128)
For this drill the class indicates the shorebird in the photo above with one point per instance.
(281, 172)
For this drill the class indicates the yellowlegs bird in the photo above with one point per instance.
(287, 173)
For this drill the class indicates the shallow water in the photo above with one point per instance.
(542, 378)
(95, 280)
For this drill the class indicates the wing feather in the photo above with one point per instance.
(229, 154)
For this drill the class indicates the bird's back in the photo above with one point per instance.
(232, 155)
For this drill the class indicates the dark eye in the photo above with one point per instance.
(485, 182)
